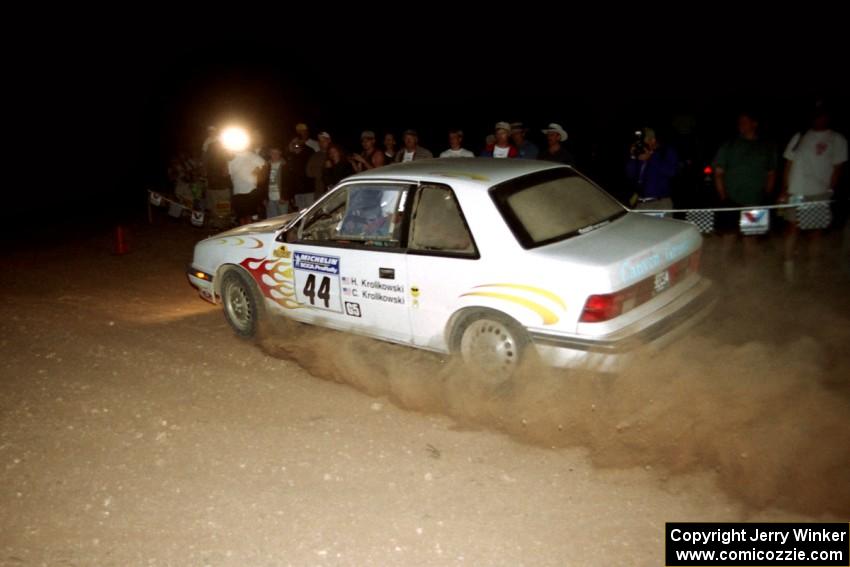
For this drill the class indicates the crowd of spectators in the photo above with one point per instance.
(271, 179)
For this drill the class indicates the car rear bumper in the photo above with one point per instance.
(610, 352)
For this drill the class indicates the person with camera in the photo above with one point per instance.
(651, 168)
(302, 137)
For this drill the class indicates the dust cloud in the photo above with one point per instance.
(758, 394)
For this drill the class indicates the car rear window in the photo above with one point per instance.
(553, 205)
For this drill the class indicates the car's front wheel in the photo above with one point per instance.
(242, 305)
(494, 343)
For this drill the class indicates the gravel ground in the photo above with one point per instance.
(135, 429)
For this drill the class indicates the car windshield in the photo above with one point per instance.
(553, 205)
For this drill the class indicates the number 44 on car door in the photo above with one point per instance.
(317, 280)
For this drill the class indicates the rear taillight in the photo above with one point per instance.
(602, 307)
(707, 170)
(607, 306)
(693, 261)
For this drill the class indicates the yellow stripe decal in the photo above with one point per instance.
(548, 317)
(544, 292)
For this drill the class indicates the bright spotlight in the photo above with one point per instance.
(235, 139)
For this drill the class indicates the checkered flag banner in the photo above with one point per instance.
(703, 219)
(816, 215)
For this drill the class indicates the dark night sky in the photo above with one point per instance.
(128, 100)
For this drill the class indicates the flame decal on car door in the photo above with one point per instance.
(275, 277)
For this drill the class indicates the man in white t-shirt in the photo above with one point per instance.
(815, 160)
(456, 149)
(245, 169)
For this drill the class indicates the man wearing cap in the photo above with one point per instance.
(526, 149)
(316, 164)
(555, 150)
(412, 151)
(302, 136)
(502, 148)
(371, 157)
(456, 149)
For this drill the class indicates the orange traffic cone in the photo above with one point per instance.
(120, 244)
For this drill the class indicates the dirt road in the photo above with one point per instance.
(135, 429)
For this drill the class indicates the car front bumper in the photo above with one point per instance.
(203, 282)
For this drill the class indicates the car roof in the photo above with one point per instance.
(483, 172)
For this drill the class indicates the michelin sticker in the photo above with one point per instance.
(317, 281)
(317, 263)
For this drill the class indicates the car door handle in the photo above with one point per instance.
(386, 273)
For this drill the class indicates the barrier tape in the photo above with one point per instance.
(753, 221)
(175, 208)
(810, 215)
(723, 209)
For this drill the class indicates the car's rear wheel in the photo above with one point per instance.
(242, 304)
(494, 343)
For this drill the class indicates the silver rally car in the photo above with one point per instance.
(492, 259)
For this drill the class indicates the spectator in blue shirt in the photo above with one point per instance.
(651, 167)
(527, 150)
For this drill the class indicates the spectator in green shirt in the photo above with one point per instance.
(744, 175)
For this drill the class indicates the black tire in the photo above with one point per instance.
(492, 342)
(243, 306)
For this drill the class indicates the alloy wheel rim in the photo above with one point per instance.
(490, 345)
(238, 306)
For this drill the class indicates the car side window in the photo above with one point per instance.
(438, 224)
(367, 215)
